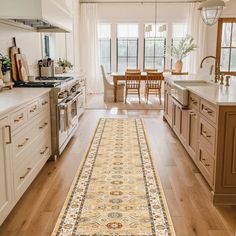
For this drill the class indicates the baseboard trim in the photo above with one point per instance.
(224, 199)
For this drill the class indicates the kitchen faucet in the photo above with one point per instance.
(217, 67)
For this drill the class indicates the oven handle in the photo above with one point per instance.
(73, 98)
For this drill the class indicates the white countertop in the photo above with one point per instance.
(217, 94)
(10, 99)
(72, 73)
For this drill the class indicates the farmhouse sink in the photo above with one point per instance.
(179, 89)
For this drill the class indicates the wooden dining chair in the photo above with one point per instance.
(153, 84)
(179, 73)
(132, 84)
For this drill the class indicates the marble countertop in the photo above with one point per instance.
(216, 94)
(72, 73)
(11, 99)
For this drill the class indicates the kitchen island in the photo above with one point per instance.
(206, 126)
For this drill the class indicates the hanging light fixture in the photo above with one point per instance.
(211, 10)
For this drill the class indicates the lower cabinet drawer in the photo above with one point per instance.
(207, 135)
(22, 141)
(206, 164)
(31, 165)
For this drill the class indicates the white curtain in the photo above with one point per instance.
(197, 29)
(89, 59)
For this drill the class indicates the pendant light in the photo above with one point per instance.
(211, 10)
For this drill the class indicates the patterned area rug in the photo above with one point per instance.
(116, 192)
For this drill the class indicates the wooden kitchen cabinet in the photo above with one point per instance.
(168, 104)
(5, 169)
(208, 133)
(192, 140)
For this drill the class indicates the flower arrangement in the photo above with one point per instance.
(6, 64)
(184, 47)
(182, 50)
(64, 64)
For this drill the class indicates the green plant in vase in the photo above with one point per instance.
(65, 64)
(6, 67)
(181, 51)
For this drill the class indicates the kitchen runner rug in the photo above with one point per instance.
(116, 192)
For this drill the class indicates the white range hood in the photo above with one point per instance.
(40, 15)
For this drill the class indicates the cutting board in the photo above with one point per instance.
(22, 67)
(12, 54)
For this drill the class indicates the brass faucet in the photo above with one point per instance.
(217, 68)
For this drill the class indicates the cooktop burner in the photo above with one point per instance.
(61, 78)
(37, 84)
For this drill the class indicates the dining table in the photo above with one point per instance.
(120, 76)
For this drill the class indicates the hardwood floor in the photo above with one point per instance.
(187, 194)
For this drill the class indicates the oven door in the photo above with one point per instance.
(72, 113)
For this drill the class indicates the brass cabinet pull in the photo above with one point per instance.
(193, 114)
(44, 151)
(43, 126)
(9, 130)
(208, 111)
(44, 103)
(193, 101)
(26, 173)
(204, 133)
(23, 144)
(34, 109)
(19, 118)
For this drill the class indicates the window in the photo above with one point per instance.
(179, 31)
(104, 37)
(155, 46)
(127, 46)
(226, 46)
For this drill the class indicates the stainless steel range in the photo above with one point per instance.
(67, 98)
(67, 105)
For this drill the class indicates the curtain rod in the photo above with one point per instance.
(188, 1)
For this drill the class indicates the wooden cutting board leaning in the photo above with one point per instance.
(22, 66)
(12, 54)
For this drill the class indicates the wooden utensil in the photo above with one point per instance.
(22, 67)
(12, 53)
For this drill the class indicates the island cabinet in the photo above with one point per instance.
(168, 103)
(25, 146)
(208, 133)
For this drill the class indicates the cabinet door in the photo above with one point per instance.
(184, 126)
(5, 171)
(169, 108)
(177, 119)
(193, 134)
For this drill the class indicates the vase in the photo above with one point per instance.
(7, 77)
(178, 66)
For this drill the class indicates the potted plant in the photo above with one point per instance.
(182, 50)
(6, 68)
(65, 65)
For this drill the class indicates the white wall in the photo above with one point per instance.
(229, 11)
(30, 43)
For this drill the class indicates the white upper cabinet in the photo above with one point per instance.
(42, 15)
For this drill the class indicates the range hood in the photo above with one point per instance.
(38, 15)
